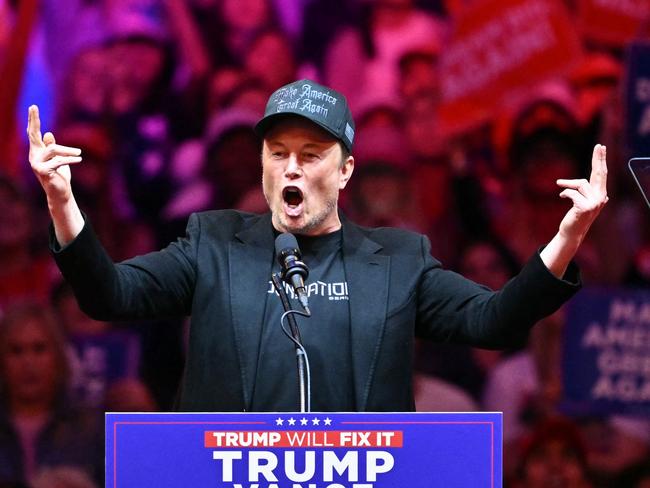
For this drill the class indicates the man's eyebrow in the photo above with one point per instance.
(274, 142)
(316, 145)
(320, 145)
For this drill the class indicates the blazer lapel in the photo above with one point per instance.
(367, 274)
(250, 265)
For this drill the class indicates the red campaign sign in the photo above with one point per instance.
(613, 22)
(499, 48)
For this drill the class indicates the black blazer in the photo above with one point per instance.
(219, 274)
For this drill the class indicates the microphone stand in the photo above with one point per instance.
(295, 333)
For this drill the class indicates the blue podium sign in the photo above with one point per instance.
(295, 450)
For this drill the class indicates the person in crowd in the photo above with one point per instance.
(129, 395)
(86, 98)
(322, 20)
(226, 28)
(433, 394)
(25, 273)
(63, 477)
(526, 386)
(594, 82)
(270, 59)
(616, 445)
(232, 157)
(364, 60)
(543, 148)
(418, 75)
(72, 319)
(39, 427)
(380, 196)
(143, 125)
(554, 455)
(93, 186)
(218, 170)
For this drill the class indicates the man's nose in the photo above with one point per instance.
(293, 169)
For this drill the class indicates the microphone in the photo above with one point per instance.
(294, 271)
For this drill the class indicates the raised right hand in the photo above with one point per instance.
(50, 161)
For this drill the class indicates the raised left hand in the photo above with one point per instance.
(588, 197)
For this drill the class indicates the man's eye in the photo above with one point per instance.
(276, 154)
(310, 156)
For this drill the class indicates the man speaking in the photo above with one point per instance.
(372, 291)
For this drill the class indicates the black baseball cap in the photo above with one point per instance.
(322, 105)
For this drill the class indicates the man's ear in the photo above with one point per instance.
(346, 172)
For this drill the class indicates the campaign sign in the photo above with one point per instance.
(637, 99)
(295, 450)
(97, 361)
(498, 50)
(606, 360)
(612, 22)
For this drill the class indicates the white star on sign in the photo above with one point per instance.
(292, 421)
(279, 421)
(327, 421)
(303, 421)
(315, 421)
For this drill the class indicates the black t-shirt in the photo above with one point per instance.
(325, 336)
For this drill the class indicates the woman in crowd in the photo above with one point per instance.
(38, 427)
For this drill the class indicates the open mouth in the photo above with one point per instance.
(293, 199)
(292, 196)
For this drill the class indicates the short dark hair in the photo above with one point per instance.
(345, 154)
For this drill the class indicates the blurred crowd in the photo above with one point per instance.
(161, 95)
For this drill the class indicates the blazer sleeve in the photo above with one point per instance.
(455, 309)
(155, 285)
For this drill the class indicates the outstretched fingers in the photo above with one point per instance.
(53, 156)
(581, 185)
(575, 196)
(593, 190)
(53, 150)
(58, 161)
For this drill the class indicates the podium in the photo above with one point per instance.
(303, 450)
